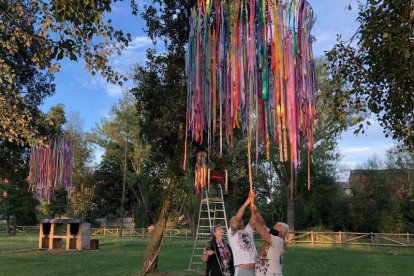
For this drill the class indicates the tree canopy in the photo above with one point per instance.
(34, 37)
(376, 69)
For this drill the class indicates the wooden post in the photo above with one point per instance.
(51, 235)
(41, 235)
(312, 237)
(408, 239)
(340, 236)
(68, 236)
(372, 238)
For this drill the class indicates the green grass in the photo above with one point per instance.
(19, 256)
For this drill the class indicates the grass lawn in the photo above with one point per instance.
(19, 256)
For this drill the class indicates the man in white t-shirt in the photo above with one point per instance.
(270, 258)
(242, 243)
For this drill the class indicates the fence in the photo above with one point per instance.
(310, 237)
(20, 229)
(352, 238)
(141, 232)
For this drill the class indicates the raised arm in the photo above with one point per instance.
(240, 213)
(261, 229)
(256, 215)
(236, 220)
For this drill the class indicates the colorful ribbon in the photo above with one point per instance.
(250, 65)
(51, 165)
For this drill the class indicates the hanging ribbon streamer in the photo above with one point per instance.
(51, 165)
(250, 66)
(201, 171)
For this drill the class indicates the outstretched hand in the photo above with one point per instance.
(253, 208)
(250, 199)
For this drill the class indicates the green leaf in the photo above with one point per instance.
(60, 55)
(73, 56)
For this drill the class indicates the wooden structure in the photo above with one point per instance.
(71, 234)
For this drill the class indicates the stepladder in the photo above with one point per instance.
(212, 212)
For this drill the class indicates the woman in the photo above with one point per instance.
(217, 254)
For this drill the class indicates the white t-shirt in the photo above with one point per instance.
(242, 246)
(270, 258)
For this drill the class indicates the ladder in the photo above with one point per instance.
(212, 211)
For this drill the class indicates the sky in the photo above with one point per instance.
(92, 98)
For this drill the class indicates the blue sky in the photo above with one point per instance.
(92, 98)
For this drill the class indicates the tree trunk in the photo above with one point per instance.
(192, 224)
(7, 224)
(290, 214)
(285, 184)
(14, 227)
(154, 245)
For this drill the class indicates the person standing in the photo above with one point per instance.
(241, 242)
(269, 261)
(217, 254)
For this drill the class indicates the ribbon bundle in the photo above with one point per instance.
(200, 171)
(250, 66)
(51, 165)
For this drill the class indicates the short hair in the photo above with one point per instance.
(214, 229)
(285, 228)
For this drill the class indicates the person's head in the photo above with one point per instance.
(217, 232)
(283, 229)
(236, 223)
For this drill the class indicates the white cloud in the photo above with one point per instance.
(356, 149)
(367, 150)
(113, 90)
(133, 54)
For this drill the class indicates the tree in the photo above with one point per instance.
(108, 179)
(324, 148)
(108, 186)
(59, 204)
(24, 83)
(123, 130)
(382, 194)
(17, 204)
(160, 93)
(16, 201)
(160, 90)
(82, 192)
(377, 73)
(35, 36)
